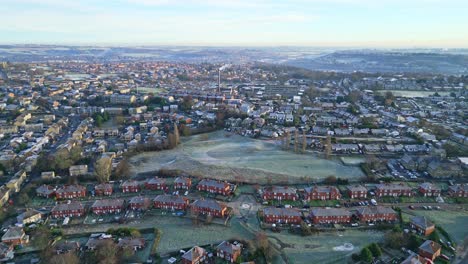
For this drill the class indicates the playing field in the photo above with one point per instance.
(256, 161)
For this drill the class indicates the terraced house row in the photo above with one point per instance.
(163, 201)
(132, 186)
(329, 215)
(288, 193)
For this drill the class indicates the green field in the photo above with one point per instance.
(239, 158)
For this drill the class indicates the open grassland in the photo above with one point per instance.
(239, 158)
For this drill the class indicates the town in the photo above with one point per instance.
(171, 162)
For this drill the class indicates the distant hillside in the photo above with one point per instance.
(376, 61)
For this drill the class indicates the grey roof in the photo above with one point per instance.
(103, 186)
(356, 188)
(181, 180)
(4, 249)
(330, 212)
(138, 199)
(45, 189)
(430, 246)
(459, 187)
(429, 186)
(166, 198)
(194, 253)
(422, 222)
(213, 183)
(156, 180)
(70, 206)
(389, 186)
(373, 210)
(14, 232)
(71, 188)
(108, 202)
(208, 203)
(282, 189)
(131, 242)
(230, 248)
(322, 189)
(28, 213)
(131, 183)
(281, 211)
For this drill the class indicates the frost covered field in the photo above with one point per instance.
(257, 161)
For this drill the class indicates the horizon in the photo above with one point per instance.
(237, 23)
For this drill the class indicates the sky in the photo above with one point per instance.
(334, 23)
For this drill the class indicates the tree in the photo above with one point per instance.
(41, 236)
(69, 258)
(106, 252)
(135, 233)
(176, 134)
(366, 255)
(330, 180)
(375, 250)
(394, 239)
(103, 169)
(122, 171)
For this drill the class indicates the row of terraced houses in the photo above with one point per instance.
(163, 201)
(329, 215)
(281, 193)
(132, 186)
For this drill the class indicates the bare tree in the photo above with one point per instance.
(106, 252)
(304, 141)
(296, 140)
(122, 171)
(69, 258)
(176, 134)
(328, 147)
(103, 169)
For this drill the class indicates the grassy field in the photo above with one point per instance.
(454, 222)
(229, 158)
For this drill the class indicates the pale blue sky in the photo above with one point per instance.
(368, 23)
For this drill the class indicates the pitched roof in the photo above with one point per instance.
(45, 189)
(230, 248)
(389, 186)
(213, 183)
(166, 198)
(429, 186)
(70, 206)
(430, 246)
(194, 253)
(208, 203)
(108, 202)
(281, 189)
(373, 210)
(71, 188)
(356, 188)
(131, 242)
(330, 212)
(14, 232)
(281, 211)
(422, 222)
(414, 259)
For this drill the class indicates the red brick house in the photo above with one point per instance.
(70, 191)
(356, 191)
(376, 213)
(46, 191)
(15, 236)
(415, 259)
(322, 193)
(209, 207)
(395, 190)
(422, 225)
(74, 209)
(183, 183)
(103, 189)
(170, 202)
(139, 203)
(458, 190)
(108, 206)
(330, 215)
(280, 193)
(156, 184)
(195, 255)
(282, 215)
(213, 186)
(429, 189)
(130, 186)
(429, 249)
(228, 251)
